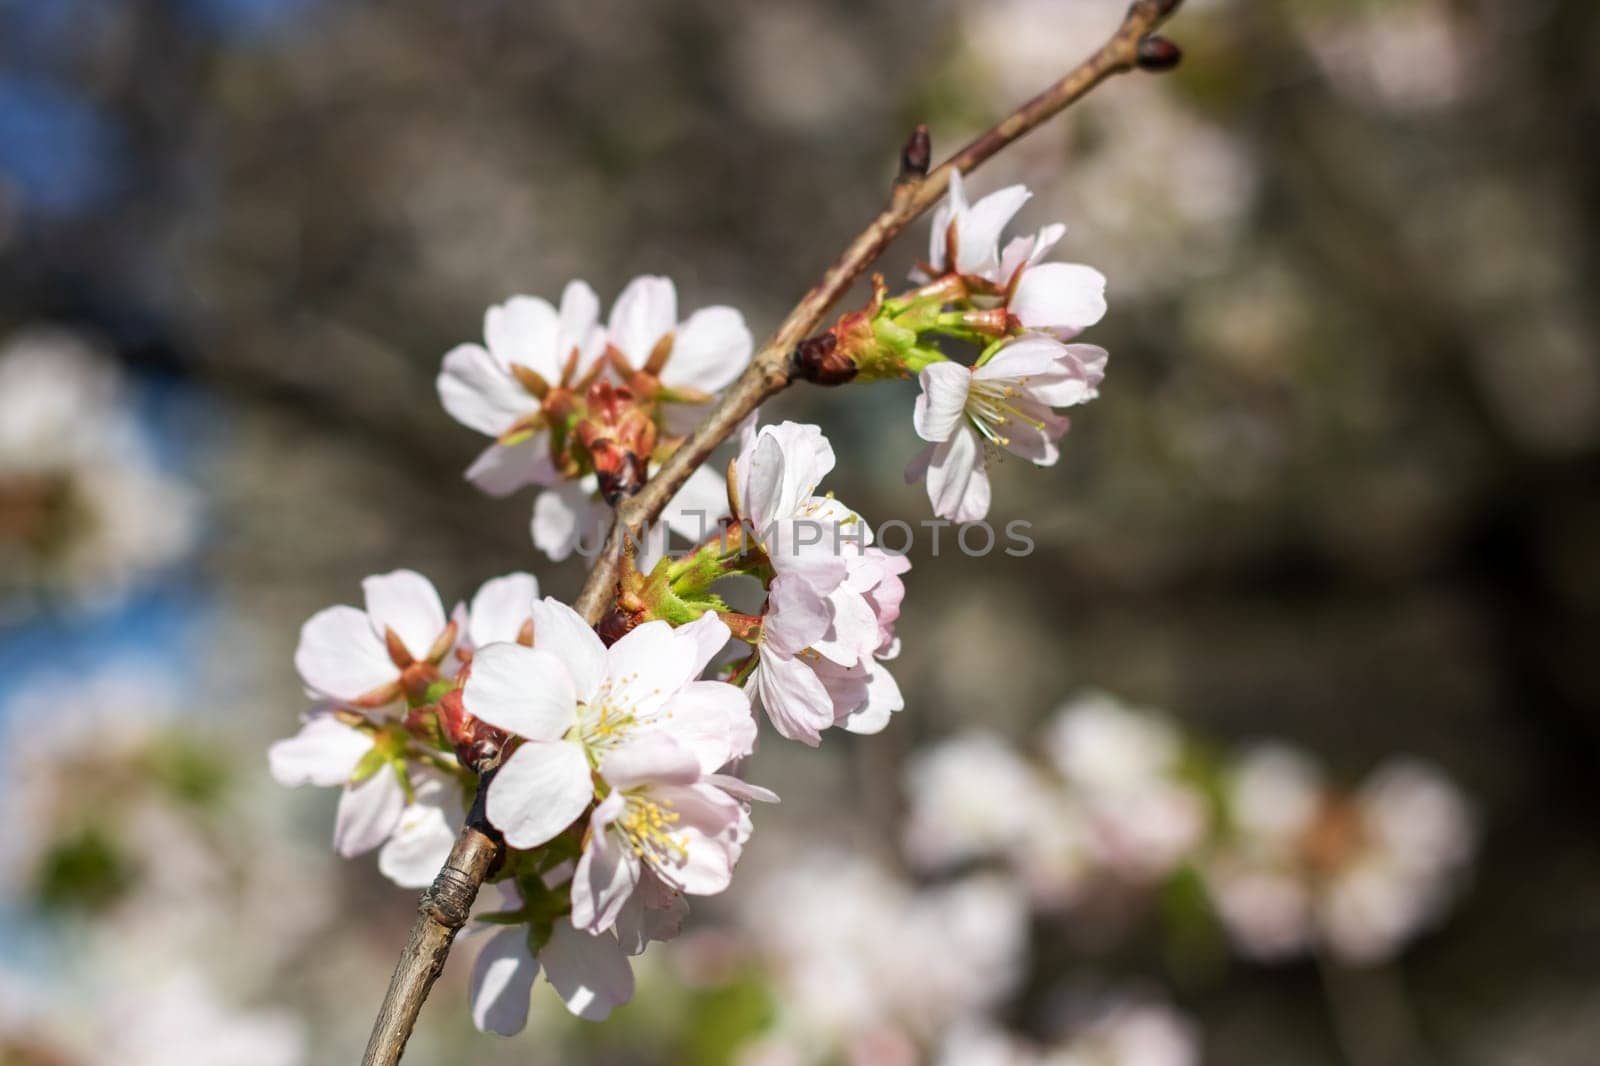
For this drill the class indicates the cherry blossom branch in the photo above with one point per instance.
(445, 906)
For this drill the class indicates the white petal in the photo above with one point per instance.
(562, 632)
(958, 487)
(883, 699)
(648, 666)
(1034, 433)
(523, 331)
(711, 719)
(607, 872)
(646, 311)
(741, 789)
(502, 981)
(1059, 296)
(1026, 357)
(708, 821)
(590, 973)
(978, 232)
(539, 791)
(500, 471)
(793, 697)
(564, 517)
(325, 752)
(1075, 380)
(701, 639)
(368, 813)
(339, 657)
(578, 328)
(942, 400)
(653, 757)
(406, 602)
(525, 691)
(479, 393)
(711, 349)
(852, 633)
(796, 615)
(501, 607)
(421, 843)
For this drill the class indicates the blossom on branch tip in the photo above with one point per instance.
(1005, 402)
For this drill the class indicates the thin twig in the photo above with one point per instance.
(444, 906)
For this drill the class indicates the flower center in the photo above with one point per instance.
(992, 404)
(646, 824)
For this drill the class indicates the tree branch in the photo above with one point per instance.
(445, 906)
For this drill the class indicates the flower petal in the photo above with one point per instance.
(794, 698)
(958, 486)
(406, 602)
(942, 400)
(526, 691)
(1075, 380)
(522, 331)
(1026, 357)
(566, 516)
(579, 327)
(1033, 434)
(712, 720)
(325, 752)
(500, 470)
(421, 842)
(607, 872)
(562, 632)
(711, 349)
(1059, 296)
(501, 607)
(978, 231)
(648, 666)
(882, 700)
(708, 824)
(340, 658)
(590, 973)
(502, 982)
(653, 757)
(539, 791)
(646, 311)
(368, 813)
(479, 393)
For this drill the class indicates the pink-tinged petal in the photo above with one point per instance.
(502, 982)
(525, 691)
(1026, 251)
(794, 698)
(590, 973)
(500, 470)
(562, 632)
(579, 327)
(978, 233)
(1033, 435)
(958, 487)
(760, 477)
(646, 311)
(324, 753)
(540, 790)
(607, 872)
(406, 602)
(340, 658)
(712, 720)
(882, 700)
(701, 639)
(421, 842)
(1025, 357)
(1076, 379)
(796, 615)
(852, 633)
(522, 331)
(1055, 296)
(480, 393)
(742, 790)
(807, 459)
(501, 607)
(942, 400)
(368, 813)
(565, 516)
(708, 824)
(653, 912)
(648, 666)
(698, 508)
(711, 349)
(652, 757)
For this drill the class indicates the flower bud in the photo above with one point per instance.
(619, 437)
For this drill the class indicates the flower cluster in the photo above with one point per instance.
(613, 780)
(1288, 862)
(85, 508)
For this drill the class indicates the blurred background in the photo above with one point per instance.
(1338, 493)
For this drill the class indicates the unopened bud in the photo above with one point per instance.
(1158, 53)
(916, 155)
(619, 437)
(819, 359)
